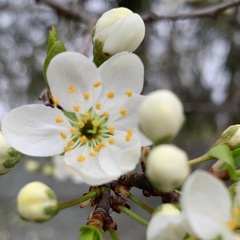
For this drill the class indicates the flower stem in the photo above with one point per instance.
(133, 215)
(113, 235)
(205, 157)
(140, 203)
(76, 201)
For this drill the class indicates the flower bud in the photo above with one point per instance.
(9, 157)
(161, 116)
(230, 137)
(37, 202)
(167, 167)
(119, 30)
(167, 209)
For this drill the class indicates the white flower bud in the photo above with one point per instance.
(161, 116)
(37, 202)
(167, 167)
(167, 209)
(9, 157)
(119, 30)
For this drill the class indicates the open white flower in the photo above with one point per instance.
(207, 206)
(97, 131)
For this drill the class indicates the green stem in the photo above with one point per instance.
(113, 235)
(140, 203)
(205, 157)
(133, 215)
(77, 201)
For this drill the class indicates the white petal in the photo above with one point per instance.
(122, 156)
(32, 130)
(73, 70)
(123, 71)
(90, 170)
(206, 203)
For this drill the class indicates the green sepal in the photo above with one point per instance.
(223, 153)
(236, 156)
(90, 233)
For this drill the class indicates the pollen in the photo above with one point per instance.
(63, 135)
(128, 93)
(73, 130)
(111, 141)
(110, 94)
(86, 95)
(86, 116)
(58, 119)
(83, 139)
(71, 89)
(71, 143)
(81, 158)
(106, 114)
(67, 148)
(76, 108)
(81, 124)
(129, 135)
(55, 101)
(123, 112)
(97, 84)
(92, 154)
(111, 129)
(98, 106)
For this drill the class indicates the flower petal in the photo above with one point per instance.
(122, 156)
(32, 130)
(206, 204)
(70, 75)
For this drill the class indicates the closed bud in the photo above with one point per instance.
(37, 202)
(9, 157)
(167, 209)
(161, 116)
(167, 167)
(119, 30)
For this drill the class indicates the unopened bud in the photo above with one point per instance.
(9, 157)
(161, 116)
(167, 167)
(37, 202)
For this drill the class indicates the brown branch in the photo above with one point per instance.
(211, 11)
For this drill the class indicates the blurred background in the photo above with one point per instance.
(198, 59)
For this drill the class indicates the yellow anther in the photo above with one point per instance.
(106, 114)
(76, 108)
(73, 130)
(92, 154)
(111, 141)
(58, 119)
(63, 135)
(232, 224)
(81, 158)
(95, 123)
(98, 106)
(67, 148)
(110, 94)
(111, 129)
(55, 101)
(86, 116)
(130, 132)
(128, 93)
(81, 124)
(102, 145)
(128, 138)
(97, 148)
(71, 89)
(97, 84)
(123, 112)
(70, 143)
(86, 95)
(236, 212)
(83, 139)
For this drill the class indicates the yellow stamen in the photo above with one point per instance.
(106, 114)
(70, 143)
(128, 138)
(83, 139)
(63, 135)
(128, 93)
(81, 158)
(76, 108)
(86, 116)
(86, 95)
(102, 145)
(111, 141)
(98, 106)
(58, 119)
(232, 224)
(110, 94)
(71, 89)
(95, 123)
(123, 112)
(81, 124)
(236, 212)
(73, 130)
(67, 148)
(92, 154)
(55, 101)
(97, 148)
(97, 84)
(111, 129)
(130, 132)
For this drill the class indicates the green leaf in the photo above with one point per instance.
(52, 38)
(58, 47)
(90, 233)
(223, 152)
